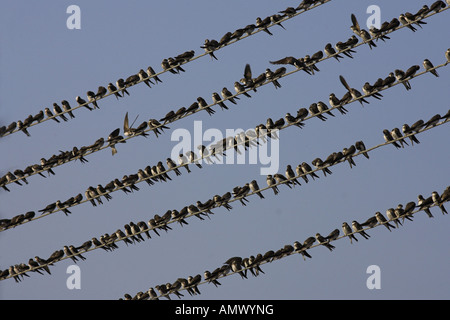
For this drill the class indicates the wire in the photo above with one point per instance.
(174, 67)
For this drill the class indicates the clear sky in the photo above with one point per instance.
(42, 62)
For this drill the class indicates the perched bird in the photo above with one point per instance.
(112, 89)
(348, 232)
(92, 98)
(262, 24)
(359, 229)
(67, 108)
(406, 129)
(271, 182)
(152, 74)
(143, 76)
(217, 100)
(389, 139)
(48, 209)
(254, 187)
(439, 200)
(227, 95)
(321, 240)
(396, 134)
(122, 86)
(58, 111)
(400, 75)
(331, 52)
(424, 204)
(299, 248)
(430, 67)
(83, 102)
(100, 92)
(47, 112)
(240, 89)
(382, 220)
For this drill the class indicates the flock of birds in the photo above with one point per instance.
(159, 173)
(63, 111)
(319, 109)
(133, 232)
(252, 264)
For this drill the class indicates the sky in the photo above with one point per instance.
(43, 62)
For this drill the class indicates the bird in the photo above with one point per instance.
(217, 100)
(396, 134)
(66, 106)
(348, 232)
(58, 111)
(240, 89)
(382, 220)
(389, 139)
(83, 102)
(152, 75)
(143, 76)
(300, 248)
(400, 75)
(359, 229)
(319, 164)
(348, 155)
(333, 235)
(262, 24)
(331, 52)
(271, 182)
(122, 87)
(270, 76)
(406, 129)
(354, 93)
(336, 103)
(173, 166)
(113, 89)
(183, 161)
(92, 98)
(430, 67)
(439, 201)
(47, 112)
(227, 95)
(254, 187)
(48, 209)
(290, 174)
(209, 46)
(424, 204)
(323, 241)
(101, 91)
(289, 61)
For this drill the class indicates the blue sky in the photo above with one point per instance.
(44, 62)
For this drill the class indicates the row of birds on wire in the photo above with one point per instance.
(396, 217)
(63, 111)
(133, 231)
